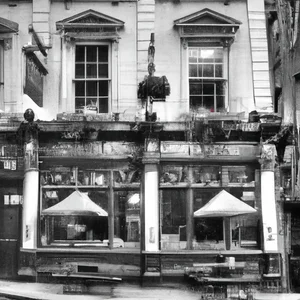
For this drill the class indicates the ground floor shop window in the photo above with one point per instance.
(127, 217)
(89, 210)
(74, 217)
(173, 218)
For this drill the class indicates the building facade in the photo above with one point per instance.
(154, 148)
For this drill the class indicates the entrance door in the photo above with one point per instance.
(9, 236)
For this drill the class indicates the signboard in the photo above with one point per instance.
(33, 82)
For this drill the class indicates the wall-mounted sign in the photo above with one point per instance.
(33, 82)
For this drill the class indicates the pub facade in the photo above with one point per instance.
(146, 138)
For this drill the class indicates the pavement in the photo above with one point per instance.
(45, 291)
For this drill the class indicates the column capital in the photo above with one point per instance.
(151, 158)
(267, 157)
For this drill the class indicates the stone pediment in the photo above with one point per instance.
(207, 17)
(89, 19)
(207, 23)
(7, 26)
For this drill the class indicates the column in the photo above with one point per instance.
(268, 200)
(28, 133)
(151, 195)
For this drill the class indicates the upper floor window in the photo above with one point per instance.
(92, 78)
(206, 82)
(89, 51)
(206, 36)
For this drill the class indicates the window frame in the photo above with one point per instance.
(190, 45)
(109, 79)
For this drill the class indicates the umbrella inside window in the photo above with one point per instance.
(224, 205)
(78, 204)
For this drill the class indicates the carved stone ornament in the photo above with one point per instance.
(267, 157)
(7, 44)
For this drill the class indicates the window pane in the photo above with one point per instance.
(208, 102)
(103, 88)
(91, 101)
(75, 229)
(79, 88)
(103, 105)
(195, 88)
(206, 55)
(220, 103)
(193, 71)
(196, 101)
(103, 53)
(208, 89)
(208, 231)
(103, 70)
(91, 71)
(220, 88)
(91, 88)
(218, 55)
(219, 70)
(79, 54)
(208, 70)
(173, 218)
(193, 54)
(79, 105)
(79, 71)
(127, 218)
(91, 54)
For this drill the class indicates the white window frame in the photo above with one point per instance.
(186, 47)
(109, 79)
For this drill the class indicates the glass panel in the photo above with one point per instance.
(103, 88)
(91, 54)
(127, 218)
(77, 227)
(240, 175)
(219, 71)
(220, 103)
(79, 71)
(79, 88)
(79, 105)
(208, 70)
(206, 55)
(173, 174)
(193, 71)
(218, 55)
(79, 54)
(208, 89)
(220, 88)
(209, 103)
(103, 53)
(91, 88)
(208, 232)
(173, 218)
(196, 101)
(195, 88)
(103, 70)
(91, 71)
(207, 175)
(103, 105)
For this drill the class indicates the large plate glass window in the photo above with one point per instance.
(173, 218)
(206, 78)
(92, 78)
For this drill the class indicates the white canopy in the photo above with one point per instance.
(75, 204)
(224, 205)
